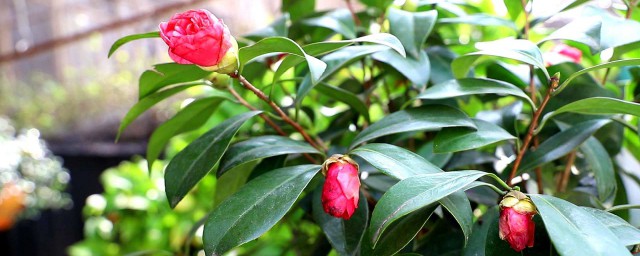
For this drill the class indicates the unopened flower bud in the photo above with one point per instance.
(198, 37)
(516, 220)
(341, 189)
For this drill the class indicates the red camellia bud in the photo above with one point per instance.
(198, 37)
(516, 220)
(341, 189)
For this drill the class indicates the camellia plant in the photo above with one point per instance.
(452, 129)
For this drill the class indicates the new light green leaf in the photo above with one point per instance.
(255, 208)
(414, 193)
(574, 231)
(456, 139)
(198, 158)
(470, 86)
(261, 147)
(425, 118)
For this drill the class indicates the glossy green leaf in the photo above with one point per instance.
(298, 8)
(344, 235)
(340, 21)
(344, 96)
(595, 106)
(322, 48)
(400, 163)
(425, 118)
(470, 86)
(381, 4)
(399, 234)
(336, 61)
(584, 30)
(261, 147)
(613, 64)
(414, 193)
(232, 182)
(148, 102)
(456, 139)
(615, 30)
(189, 118)
(166, 74)
(196, 160)
(515, 49)
(415, 69)
(460, 208)
(561, 144)
(600, 164)
(395, 161)
(437, 159)
(130, 38)
(478, 241)
(626, 233)
(255, 208)
(480, 19)
(575, 231)
(412, 28)
(284, 45)
(514, 8)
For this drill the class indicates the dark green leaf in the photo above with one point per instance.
(196, 160)
(298, 8)
(261, 147)
(415, 69)
(480, 19)
(190, 118)
(255, 208)
(395, 161)
(399, 233)
(626, 233)
(460, 138)
(344, 235)
(439, 160)
(130, 38)
(280, 44)
(600, 164)
(340, 21)
(595, 106)
(561, 144)
(321, 48)
(516, 49)
(344, 96)
(168, 74)
(147, 102)
(412, 28)
(230, 183)
(575, 231)
(414, 193)
(425, 118)
(478, 240)
(460, 208)
(618, 63)
(469, 86)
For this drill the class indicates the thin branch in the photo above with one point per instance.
(553, 84)
(266, 119)
(263, 116)
(564, 179)
(353, 13)
(278, 110)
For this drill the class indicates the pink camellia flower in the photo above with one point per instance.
(341, 189)
(563, 53)
(516, 220)
(198, 37)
